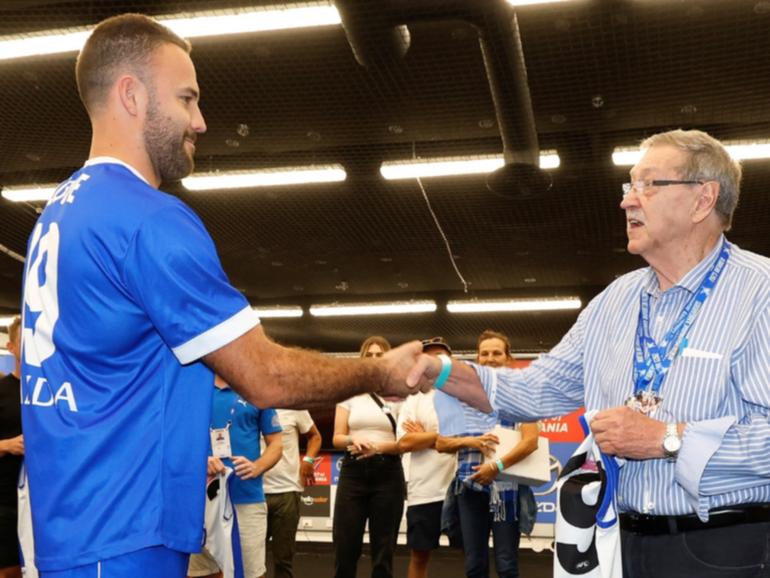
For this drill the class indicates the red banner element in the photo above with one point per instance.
(563, 429)
(323, 469)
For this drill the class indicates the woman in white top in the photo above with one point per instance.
(371, 485)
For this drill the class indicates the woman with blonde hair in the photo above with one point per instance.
(371, 485)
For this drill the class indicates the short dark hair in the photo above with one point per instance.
(119, 44)
(374, 340)
(489, 334)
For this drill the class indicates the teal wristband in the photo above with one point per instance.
(500, 465)
(308, 460)
(446, 369)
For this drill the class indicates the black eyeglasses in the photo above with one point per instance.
(645, 187)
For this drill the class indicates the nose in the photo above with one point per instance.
(630, 200)
(197, 123)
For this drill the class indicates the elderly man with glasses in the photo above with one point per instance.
(676, 359)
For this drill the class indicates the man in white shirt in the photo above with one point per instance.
(284, 484)
(430, 472)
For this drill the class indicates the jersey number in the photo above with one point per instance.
(41, 295)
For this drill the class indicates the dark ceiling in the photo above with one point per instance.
(601, 74)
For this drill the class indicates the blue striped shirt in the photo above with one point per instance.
(719, 384)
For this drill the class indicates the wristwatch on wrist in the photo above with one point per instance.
(672, 443)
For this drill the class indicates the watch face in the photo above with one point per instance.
(671, 444)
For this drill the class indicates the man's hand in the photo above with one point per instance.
(13, 446)
(485, 473)
(402, 363)
(306, 474)
(214, 467)
(625, 433)
(485, 443)
(413, 427)
(245, 469)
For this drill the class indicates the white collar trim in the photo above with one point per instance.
(114, 161)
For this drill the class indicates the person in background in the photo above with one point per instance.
(11, 456)
(284, 483)
(237, 426)
(371, 484)
(486, 504)
(675, 360)
(430, 472)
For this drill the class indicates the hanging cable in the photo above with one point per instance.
(440, 228)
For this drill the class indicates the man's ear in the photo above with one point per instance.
(706, 201)
(132, 94)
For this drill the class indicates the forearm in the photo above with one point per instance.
(341, 441)
(413, 442)
(387, 448)
(269, 458)
(269, 375)
(464, 384)
(451, 445)
(313, 446)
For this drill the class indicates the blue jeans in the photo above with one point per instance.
(476, 521)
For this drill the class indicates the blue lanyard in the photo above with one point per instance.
(651, 360)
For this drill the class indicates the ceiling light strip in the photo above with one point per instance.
(513, 305)
(460, 165)
(29, 194)
(195, 25)
(278, 312)
(265, 178)
(738, 150)
(393, 308)
(6, 321)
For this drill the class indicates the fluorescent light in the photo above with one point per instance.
(528, 2)
(447, 166)
(395, 308)
(6, 321)
(265, 178)
(748, 150)
(739, 151)
(502, 305)
(29, 194)
(272, 312)
(254, 20)
(194, 25)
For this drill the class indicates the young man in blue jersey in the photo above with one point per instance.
(676, 358)
(126, 312)
(242, 424)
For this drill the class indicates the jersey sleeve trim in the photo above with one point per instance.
(218, 336)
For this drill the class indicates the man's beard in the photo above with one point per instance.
(165, 149)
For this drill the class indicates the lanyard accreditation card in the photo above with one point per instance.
(652, 360)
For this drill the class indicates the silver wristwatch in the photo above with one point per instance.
(672, 442)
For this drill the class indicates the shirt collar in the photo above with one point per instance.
(114, 161)
(692, 279)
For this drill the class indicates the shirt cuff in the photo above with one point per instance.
(216, 337)
(701, 440)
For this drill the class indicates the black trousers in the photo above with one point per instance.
(739, 551)
(372, 489)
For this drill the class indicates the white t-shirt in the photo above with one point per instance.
(284, 476)
(367, 419)
(429, 471)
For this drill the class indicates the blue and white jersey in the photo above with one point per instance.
(124, 293)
